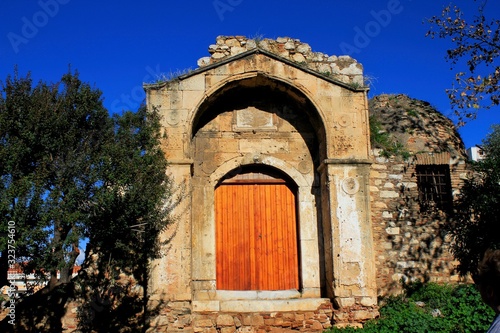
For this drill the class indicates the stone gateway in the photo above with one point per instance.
(271, 143)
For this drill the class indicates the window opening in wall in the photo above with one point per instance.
(434, 186)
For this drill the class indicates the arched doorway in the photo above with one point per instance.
(256, 231)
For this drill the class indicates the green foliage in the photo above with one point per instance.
(475, 51)
(415, 311)
(381, 139)
(355, 85)
(476, 225)
(52, 139)
(69, 171)
(412, 112)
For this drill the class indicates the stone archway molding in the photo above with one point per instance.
(193, 113)
(232, 165)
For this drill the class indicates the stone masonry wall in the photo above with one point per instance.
(343, 68)
(177, 316)
(409, 245)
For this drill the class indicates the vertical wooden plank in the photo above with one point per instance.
(263, 237)
(275, 227)
(267, 236)
(229, 238)
(236, 240)
(244, 277)
(226, 245)
(244, 271)
(293, 248)
(252, 238)
(282, 232)
(223, 225)
(218, 237)
(290, 243)
(286, 237)
(225, 250)
(221, 215)
(270, 238)
(233, 238)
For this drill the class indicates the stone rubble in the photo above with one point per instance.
(342, 68)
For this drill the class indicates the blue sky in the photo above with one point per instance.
(116, 46)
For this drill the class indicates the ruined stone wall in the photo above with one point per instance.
(343, 68)
(411, 244)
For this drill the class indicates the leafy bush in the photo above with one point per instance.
(430, 307)
(474, 227)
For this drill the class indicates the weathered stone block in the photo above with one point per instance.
(363, 315)
(253, 320)
(225, 320)
(387, 215)
(227, 330)
(368, 301)
(393, 231)
(346, 302)
(379, 166)
(389, 194)
(203, 322)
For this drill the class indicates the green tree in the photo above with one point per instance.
(475, 51)
(134, 206)
(69, 171)
(52, 140)
(476, 225)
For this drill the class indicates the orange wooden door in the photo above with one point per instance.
(256, 237)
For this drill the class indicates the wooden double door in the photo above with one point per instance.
(256, 235)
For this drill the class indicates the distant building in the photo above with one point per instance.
(29, 282)
(475, 154)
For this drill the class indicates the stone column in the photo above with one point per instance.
(171, 274)
(352, 253)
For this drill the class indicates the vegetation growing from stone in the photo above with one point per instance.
(430, 307)
(476, 224)
(404, 126)
(389, 146)
(475, 50)
(70, 171)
